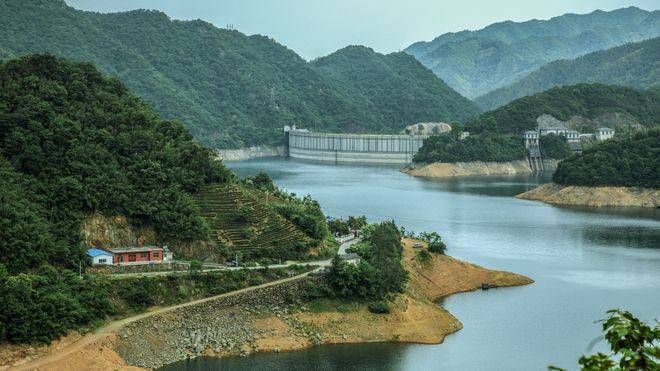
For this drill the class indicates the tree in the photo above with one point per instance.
(357, 222)
(634, 345)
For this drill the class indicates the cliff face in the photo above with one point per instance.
(593, 196)
(444, 169)
(107, 232)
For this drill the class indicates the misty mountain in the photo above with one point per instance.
(229, 89)
(636, 65)
(477, 62)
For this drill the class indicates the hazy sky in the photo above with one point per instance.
(315, 28)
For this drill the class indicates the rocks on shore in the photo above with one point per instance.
(221, 326)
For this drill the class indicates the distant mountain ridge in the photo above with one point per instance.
(229, 89)
(476, 62)
(585, 106)
(636, 65)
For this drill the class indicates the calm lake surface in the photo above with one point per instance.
(584, 261)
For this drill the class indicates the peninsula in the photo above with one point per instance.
(257, 319)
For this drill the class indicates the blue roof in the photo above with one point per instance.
(96, 252)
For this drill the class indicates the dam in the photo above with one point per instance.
(352, 148)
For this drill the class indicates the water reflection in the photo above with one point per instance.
(375, 356)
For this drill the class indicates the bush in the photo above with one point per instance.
(485, 147)
(628, 163)
(554, 146)
(379, 307)
(423, 256)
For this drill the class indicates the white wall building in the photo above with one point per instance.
(100, 257)
(604, 134)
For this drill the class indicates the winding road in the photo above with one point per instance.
(114, 326)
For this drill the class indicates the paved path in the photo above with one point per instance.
(115, 326)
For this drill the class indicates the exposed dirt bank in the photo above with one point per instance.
(445, 169)
(593, 196)
(215, 329)
(242, 154)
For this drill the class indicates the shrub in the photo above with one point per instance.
(379, 307)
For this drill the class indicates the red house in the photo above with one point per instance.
(137, 255)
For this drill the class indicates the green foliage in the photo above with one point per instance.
(195, 265)
(357, 222)
(379, 307)
(76, 142)
(261, 181)
(423, 256)
(232, 90)
(631, 162)
(554, 146)
(380, 271)
(476, 62)
(46, 305)
(448, 148)
(636, 65)
(338, 227)
(305, 213)
(634, 344)
(586, 100)
(434, 242)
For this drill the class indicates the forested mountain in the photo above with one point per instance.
(73, 142)
(630, 162)
(636, 65)
(582, 104)
(393, 85)
(476, 62)
(231, 90)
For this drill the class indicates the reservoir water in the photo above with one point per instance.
(584, 261)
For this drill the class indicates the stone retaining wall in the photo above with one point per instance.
(216, 326)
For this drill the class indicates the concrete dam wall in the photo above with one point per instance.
(353, 148)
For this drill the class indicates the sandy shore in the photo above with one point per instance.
(414, 318)
(457, 169)
(593, 196)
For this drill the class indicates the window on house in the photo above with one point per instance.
(143, 255)
(156, 255)
(102, 260)
(121, 258)
(131, 258)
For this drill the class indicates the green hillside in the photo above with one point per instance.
(476, 62)
(633, 162)
(395, 85)
(590, 101)
(241, 221)
(73, 142)
(231, 90)
(636, 65)
(80, 143)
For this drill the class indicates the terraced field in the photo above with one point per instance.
(238, 219)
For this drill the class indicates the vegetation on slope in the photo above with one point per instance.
(636, 65)
(395, 85)
(380, 271)
(476, 62)
(231, 90)
(76, 142)
(631, 162)
(484, 147)
(40, 307)
(554, 146)
(586, 100)
(72, 143)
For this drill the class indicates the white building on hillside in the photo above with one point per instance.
(604, 134)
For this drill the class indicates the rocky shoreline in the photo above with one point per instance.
(242, 154)
(557, 194)
(275, 318)
(457, 169)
